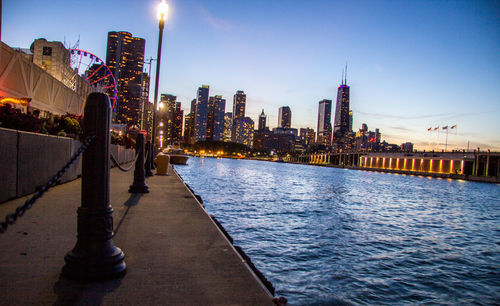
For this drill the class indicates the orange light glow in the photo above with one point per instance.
(22, 101)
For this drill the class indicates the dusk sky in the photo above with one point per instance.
(411, 64)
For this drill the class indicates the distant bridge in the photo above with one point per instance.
(476, 165)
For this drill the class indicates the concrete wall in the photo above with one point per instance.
(28, 160)
(39, 158)
(8, 164)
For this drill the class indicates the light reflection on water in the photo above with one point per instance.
(326, 235)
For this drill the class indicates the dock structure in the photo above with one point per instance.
(175, 254)
(109, 237)
(476, 165)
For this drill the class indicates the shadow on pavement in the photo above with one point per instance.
(133, 200)
(71, 292)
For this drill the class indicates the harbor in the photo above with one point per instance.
(174, 252)
(329, 235)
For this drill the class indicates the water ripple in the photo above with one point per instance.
(327, 236)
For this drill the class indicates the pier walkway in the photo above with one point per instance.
(174, 252)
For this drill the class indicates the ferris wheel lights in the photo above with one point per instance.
(162, 10)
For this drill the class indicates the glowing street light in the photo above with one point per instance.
(162, 10)
(162, 16)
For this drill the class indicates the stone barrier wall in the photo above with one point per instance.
(28, 160)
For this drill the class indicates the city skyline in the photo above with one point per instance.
(412, 66)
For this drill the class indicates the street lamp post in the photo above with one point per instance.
(162, 15)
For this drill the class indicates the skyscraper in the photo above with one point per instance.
(228, 125)
(324, 122)
(125, 59)
(239, 102)
(342, 117)
(262, 121)
(284, 117)
(176, 133)
(189, 135)
(187, 128)
(201, 116)
(215, 120)
(170, 119)
(244, 130)
(166, 115)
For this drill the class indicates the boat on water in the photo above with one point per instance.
(177, 155)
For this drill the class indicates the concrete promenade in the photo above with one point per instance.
(175, 254)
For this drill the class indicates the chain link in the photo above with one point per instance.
(113, 159)
(10, 219)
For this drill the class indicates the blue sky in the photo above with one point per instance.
(411, 64)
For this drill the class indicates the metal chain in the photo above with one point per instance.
(113, 159)
(10, 219)
(146, 155)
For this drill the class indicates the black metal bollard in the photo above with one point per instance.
(149, 155)
(94, 256)
(139, 185)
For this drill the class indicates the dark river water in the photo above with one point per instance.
(333, 236)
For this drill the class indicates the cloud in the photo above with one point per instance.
(443, 116)
(402, 128)
(215, 23)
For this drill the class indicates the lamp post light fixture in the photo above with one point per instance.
(162, 16)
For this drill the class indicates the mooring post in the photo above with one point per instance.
(94, 256)
(139, 185)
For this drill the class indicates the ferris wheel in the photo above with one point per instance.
(94, 70)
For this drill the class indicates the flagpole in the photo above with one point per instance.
(438, 145)
(446, 142)
(430, 138)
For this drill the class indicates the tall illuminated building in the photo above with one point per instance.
(165, 119)
(239, 103)
(215, 120)
(324, 122)
(228, 125)
(170, 120)
(244, 130)
(284, 117)
(201, 116)
(125, 59)
(187, 128)
(262, 121)
(189, 136)
(176, 133)
(342, 116)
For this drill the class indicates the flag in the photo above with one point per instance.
(445, 127)
(454, 127)
(429, 129)
(436, 128)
